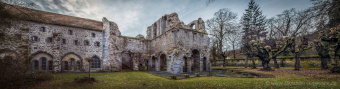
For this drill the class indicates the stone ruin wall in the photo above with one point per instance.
(171, 38)
(57, 51)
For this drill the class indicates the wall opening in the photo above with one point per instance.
(196, 60)
(163, 62)
(154, 30)
(127, 61)
(164, 19)
(153, 66)
(146, 64)
(205, 64)
(192, 26)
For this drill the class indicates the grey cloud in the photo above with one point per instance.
(133, 16)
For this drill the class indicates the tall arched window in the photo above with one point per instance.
(95, 63)
(78, 65)
(50, 65)
(36, 64)
(65, 65)
(43, 63)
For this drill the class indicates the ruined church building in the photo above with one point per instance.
(60, 43)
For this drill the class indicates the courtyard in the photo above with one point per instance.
(283, 78)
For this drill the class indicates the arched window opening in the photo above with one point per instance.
(78, 65)
(36, 64)
(50, 65)
(196, 59)
(192, 26)
(72, 63)
(65, 65)
(163, 62)
(43, 63)
(95, 62)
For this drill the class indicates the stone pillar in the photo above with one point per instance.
(190, 61)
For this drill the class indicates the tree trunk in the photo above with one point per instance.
(297, 61)
(324, 62)
(275, 63)
(253, 60)
(246, 62)
(234, 50)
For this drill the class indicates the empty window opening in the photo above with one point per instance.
(35, 39)
(97, 44)
(70, 32)
(43, 29)
(49, 40)
(64, 41)
(86, 43)
(76, 42)
(93, 35)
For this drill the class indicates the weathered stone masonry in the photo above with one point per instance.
(61, 43)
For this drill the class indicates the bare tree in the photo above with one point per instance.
(220, 26)
(234, 40)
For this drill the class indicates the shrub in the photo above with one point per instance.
(174, 77)
(16, 74)
(186, 75)
(84, 79)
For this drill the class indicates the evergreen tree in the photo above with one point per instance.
(253, 27)
(253, 22)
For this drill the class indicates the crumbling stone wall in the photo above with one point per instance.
(62, 47)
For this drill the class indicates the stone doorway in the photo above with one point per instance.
(127, 61)
(153, 61)
(205, 64)
(163, 61)
(196, 60)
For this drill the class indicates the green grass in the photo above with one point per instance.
(138, 79)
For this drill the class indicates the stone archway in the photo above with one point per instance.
(163, 64)
(196, 60)
(42, 61)
(71, 62)
(153, 63)
(205, 64)
(185, 64)
(127, 63)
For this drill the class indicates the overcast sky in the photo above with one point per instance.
(134, 16)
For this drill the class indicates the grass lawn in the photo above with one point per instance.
(284, 78)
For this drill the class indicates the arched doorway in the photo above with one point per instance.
(185, 64)
(196, 60)
(163, 61)
(147, 64)
(205, 64)
(153, 61)
(127, 61)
